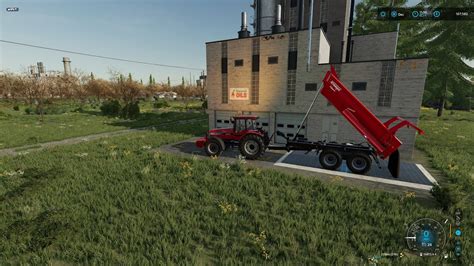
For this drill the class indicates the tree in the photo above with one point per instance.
(366, 13)
(150, 80)
(169, 83)
(447, 43)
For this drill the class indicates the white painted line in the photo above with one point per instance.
(356, 176)
(427, 174)
(284, 157)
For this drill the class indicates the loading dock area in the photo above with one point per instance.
(413, 177)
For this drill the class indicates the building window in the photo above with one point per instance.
(291, 88)
(239, 63)
(359, 86)
(386, 84)
(292, 60)
(225, 90)
(255, 86)
(336, 23)
(273, 60)
(311, 87)
(294, 3)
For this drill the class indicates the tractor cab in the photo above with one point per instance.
(244, 123)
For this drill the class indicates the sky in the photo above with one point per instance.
(172, 32)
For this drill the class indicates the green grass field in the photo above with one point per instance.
(115, 201)
(18, 128)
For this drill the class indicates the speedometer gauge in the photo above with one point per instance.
(426, 237)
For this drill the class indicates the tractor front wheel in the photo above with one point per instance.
(252, 147)
(214, 147)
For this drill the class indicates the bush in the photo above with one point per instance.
(131, 110)
(111, 108)
(161, 104)
(29, 110)
(16, 108)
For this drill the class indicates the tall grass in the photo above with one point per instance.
(449, 142)
(116, 202)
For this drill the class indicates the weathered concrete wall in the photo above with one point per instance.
(378, 46)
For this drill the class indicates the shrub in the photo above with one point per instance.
(161, 104)
(110, 108)
(16, 108)
(29, 110)
(130, 110)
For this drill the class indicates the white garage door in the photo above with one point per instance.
(330, 128)
(289, 124)
(223, 119)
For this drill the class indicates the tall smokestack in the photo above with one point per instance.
(40, 68)
(244, 33)
(67, 66)
(278, 27)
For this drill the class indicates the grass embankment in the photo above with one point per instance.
(449, 142)
(115, 202)
(18, 128)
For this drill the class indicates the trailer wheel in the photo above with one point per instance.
(214, 146)
(330, 159)
(359, 163)
(252, 147)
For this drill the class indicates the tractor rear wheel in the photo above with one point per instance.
(251, 147)
(359, 163)
(330, 159)
(214, 146)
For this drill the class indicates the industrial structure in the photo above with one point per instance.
(39, 70)
(275, 72)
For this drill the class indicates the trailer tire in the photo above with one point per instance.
(359, 163)
(214, 146)
(330, 159)
(252, 147)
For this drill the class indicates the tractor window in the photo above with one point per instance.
(239, 125)
(251, 124)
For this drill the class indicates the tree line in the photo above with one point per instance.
(448, 44)
(81, 88)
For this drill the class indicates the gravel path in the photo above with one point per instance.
(40, 146)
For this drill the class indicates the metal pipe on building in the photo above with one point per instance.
(301, 15)
(349, 32)
(278, 27)
(310, 34)
(244, 32)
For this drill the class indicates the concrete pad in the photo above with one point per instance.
(411, 175)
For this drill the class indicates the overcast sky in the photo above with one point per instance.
(170, 32)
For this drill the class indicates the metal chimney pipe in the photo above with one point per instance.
(244, 33)
(278, 27)
(278, 16)
(244, 21)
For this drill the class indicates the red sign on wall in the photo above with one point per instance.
(239, 94)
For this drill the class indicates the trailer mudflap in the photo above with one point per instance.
(394, 164)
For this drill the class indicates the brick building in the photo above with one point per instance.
(266, 74)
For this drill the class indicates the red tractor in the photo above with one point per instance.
(251, 140)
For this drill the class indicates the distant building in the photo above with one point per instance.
(266, 74)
